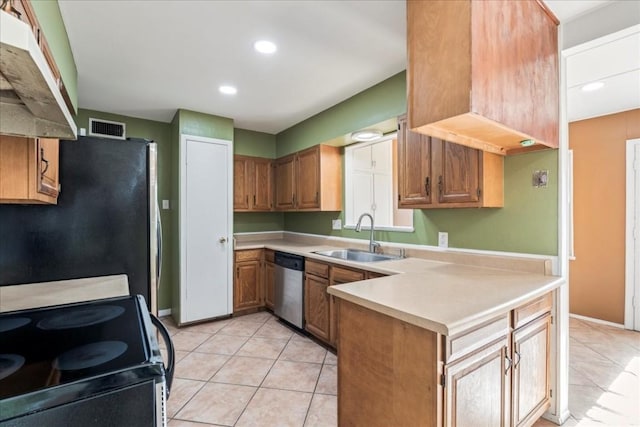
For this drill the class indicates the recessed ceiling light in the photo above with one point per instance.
(265, 46)
(366, 135)
(228, 90)
(590, 87)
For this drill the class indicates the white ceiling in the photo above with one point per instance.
(147, 58)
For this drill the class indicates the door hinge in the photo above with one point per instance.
(550, 392)
(552, 320)
(443, 380)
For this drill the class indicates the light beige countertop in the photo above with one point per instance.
(444, 297)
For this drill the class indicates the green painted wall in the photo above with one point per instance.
(378, 103)
(251, 222)
(528, 223)
(251, 143)
(48, 14)
(201, 124)
(161, 134)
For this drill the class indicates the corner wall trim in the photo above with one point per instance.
(598, 321)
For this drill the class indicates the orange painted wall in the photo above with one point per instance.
(596, 276)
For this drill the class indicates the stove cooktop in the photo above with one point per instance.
(47, 347)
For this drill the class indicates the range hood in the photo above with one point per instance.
(31, 103)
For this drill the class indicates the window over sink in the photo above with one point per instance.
(371, 185)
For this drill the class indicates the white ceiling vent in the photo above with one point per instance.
(107, 129)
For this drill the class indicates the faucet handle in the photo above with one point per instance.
(376, 247)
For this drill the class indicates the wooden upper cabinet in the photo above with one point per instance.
(414, 171)
(252, 184)
(241, 181)
(285, 175)
(483, 73)
(439, 174)
(310, 180)
(29, 170)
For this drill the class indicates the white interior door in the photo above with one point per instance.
(632, 256)
(206, 229)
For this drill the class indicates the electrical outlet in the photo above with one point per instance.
(443, 239)
(336, 224)
(165, 204)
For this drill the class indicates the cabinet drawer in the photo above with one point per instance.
(269, 255)
(249, 255)
(466, 342)
(531, 310)
(344, 275)
(316, 268)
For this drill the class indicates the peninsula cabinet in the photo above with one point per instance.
(338, 276)
(247, 284)
(396, 373)
(439, 174)
(29, 170)
(483, 73)
(252, 184)
(309, 180)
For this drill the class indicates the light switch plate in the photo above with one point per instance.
(540, 178)
(83, 132)
(336, 224)
(443, 239)
(165, 205)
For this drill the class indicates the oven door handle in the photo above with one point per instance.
(169, 368)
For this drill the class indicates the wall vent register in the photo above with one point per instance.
(107, 129)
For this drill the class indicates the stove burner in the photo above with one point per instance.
(13, 323)
(89, 355)
(77, 317)
(10, 363)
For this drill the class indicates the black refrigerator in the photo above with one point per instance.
(106, 221)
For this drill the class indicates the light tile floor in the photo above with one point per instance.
(255, 371)
(250, 371)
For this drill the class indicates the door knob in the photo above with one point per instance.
(222, 239)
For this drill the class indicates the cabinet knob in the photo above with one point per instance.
(222, 239)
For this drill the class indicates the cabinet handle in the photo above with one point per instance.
(254, 199)
(506, 370)
(440, 184)
(45, 161)
(427, 186)
(246, 198)
(517, 362)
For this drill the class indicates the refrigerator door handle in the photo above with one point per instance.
(159, 254)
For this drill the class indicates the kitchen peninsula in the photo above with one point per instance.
(439, 343)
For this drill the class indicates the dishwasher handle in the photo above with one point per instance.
(289, 261)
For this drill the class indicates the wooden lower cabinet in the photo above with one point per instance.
(247, 284)
(394, 373)
(531, 376)
(477, 387)
(317, 306)
(269, 279)
(337, 276)
(28, 170)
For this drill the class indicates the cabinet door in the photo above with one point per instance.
(308, 179)
(241, 180)
(269, 284)
(531, 371)
(262, 185)
(339, 276)
(316, 306)
(477, 388)
(286, 182)
(47, 171)
(457, 171)
(414, 168)
(246, 287)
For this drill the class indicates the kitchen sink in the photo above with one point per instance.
(356, 255)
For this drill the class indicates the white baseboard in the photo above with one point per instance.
(165, 312)
(559, 420)
(599, 321)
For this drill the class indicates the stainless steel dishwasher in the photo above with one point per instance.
(289, 288)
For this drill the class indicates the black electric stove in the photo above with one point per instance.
(93, 363)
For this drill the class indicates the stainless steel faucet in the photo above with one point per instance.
(372, 244)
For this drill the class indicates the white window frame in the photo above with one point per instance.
(350, 221)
